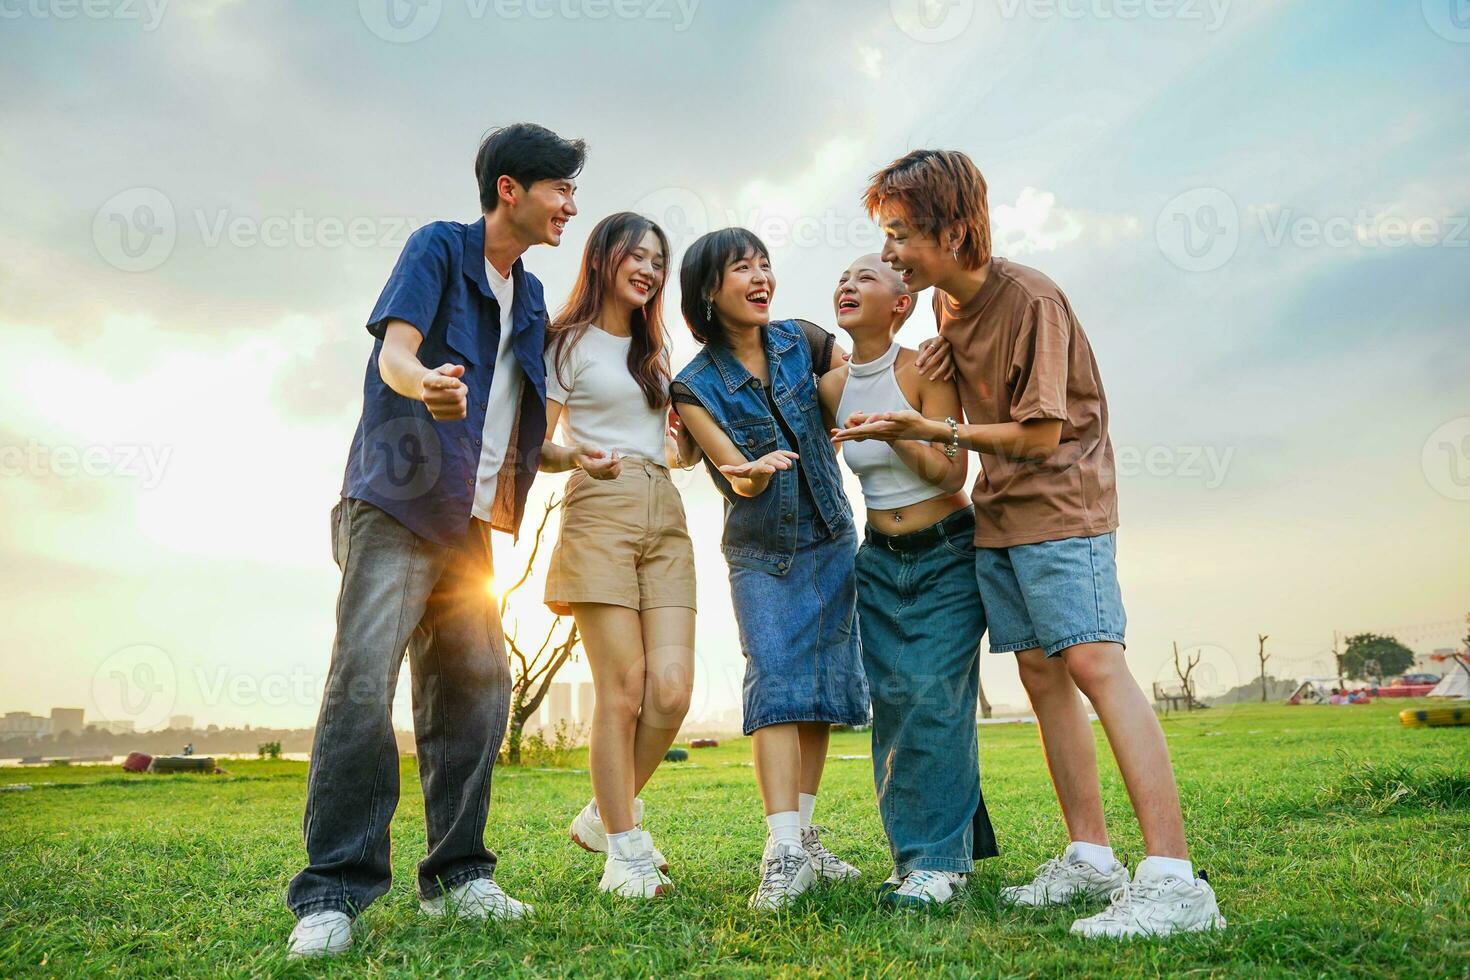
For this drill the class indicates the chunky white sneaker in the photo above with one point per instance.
(922, 887)
(631, 870)
(588, 833)
(321, 934)
(1061, 880)
(786, 872)
(478, 898)
(1155, 906)
(828, 866)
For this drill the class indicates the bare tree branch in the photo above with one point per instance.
(551, 505)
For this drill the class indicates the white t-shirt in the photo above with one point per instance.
(605, 408)
(505, 395)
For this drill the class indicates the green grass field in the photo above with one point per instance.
(1338, 841)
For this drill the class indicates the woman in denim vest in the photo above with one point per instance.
(749, 398)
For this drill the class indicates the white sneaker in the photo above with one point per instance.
(923, 887)
(321, 934)
(478, 898)
(631, 870)
(1155, 906)
(828, 866)
(1061, 880)
(786, 872)
(588, 833)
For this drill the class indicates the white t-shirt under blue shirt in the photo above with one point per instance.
(505, 396)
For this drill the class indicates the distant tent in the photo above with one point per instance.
(1454, 684)
(1313, 690)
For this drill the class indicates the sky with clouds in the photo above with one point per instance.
(1259, 210)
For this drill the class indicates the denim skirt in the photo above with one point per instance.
(799, 633)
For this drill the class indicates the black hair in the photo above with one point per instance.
(703, 271)
(526, 153)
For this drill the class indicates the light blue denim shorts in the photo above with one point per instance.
(1051, 594)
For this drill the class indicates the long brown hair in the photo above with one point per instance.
(611, 241)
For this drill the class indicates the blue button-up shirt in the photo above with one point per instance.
(420, 471)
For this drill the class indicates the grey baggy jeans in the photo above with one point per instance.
(400, 591)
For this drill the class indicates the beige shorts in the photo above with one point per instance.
(623, 542)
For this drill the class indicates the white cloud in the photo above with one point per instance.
(1035, 223)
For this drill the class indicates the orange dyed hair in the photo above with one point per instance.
(935, 188)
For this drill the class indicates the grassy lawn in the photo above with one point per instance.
(1338, 841)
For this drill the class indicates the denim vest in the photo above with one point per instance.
(760, 532)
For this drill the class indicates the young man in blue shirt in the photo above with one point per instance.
(446, 449)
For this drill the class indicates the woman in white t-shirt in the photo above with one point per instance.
(623, 566)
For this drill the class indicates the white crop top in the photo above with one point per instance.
(887, 481)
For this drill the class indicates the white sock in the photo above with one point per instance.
(615, 841)
(1159, 867)
(784, 828)
(808, 804)
(1100, 856)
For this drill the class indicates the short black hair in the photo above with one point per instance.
(526, 153)
(703, 271)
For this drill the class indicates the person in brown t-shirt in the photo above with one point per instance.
(1023, 357)
(1046, 513)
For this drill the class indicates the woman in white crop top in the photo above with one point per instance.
(623, 564)
(919, 609)
(907, 485)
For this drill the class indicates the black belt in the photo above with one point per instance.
(963, 519)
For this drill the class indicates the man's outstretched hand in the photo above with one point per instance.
(445, 394)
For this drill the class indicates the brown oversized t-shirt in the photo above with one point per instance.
(1020, 354)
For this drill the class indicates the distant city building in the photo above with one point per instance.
(585, 702)
(558, 704)
(118, 727)
(71, 720)
(24, 723)
(181, 723)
